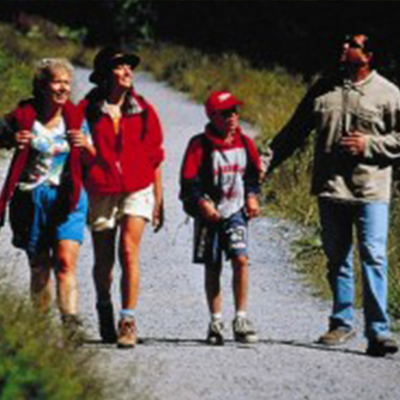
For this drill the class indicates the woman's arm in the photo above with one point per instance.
(81, 139)
(158, 212)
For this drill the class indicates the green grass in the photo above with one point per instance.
(270, 97)
(18, 54)
(36, 362)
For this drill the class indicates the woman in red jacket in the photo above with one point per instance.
(47, 206)
(123, 182)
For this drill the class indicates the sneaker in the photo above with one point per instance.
(336, 336)
(215, 333)
(73, 328)
(380, 346)
(127, 335)
(243, 331)
(106, 322)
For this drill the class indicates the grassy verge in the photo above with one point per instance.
(18, 53)
(36, 363)
(270, 98)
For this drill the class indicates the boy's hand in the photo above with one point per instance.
(158, 216)
(208, 211)
(252, 206)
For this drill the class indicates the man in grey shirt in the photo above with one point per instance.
(356, 116)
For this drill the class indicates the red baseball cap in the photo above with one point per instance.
(221, 101)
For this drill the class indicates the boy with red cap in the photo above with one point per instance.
(219, 188)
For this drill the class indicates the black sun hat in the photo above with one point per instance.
(108, 58)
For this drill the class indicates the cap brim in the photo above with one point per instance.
(131, 59)
(229, 104)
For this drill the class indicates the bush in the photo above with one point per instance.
(36, 362)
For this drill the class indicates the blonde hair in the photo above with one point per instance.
(44, 72)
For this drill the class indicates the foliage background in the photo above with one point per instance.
(299, 35)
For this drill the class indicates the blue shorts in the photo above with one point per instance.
(36, 224)
(229, 236)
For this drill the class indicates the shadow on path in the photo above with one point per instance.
(178, 342)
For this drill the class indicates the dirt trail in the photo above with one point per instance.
(172, 362)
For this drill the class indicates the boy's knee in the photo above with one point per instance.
(241, 261)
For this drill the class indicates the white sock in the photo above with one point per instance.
(216, 317)
(126, 313)
(241, 314)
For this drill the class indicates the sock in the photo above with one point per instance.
(241, 314)
(126, 313)
(216, 317)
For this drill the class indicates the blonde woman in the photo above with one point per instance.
(43, 188)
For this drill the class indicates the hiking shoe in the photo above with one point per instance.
(380, 346)
(215, 335)
(127, 336)
(337, 336)
(243, 331)
(106, 322)
(73, 328)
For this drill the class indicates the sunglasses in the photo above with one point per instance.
(349, 40)
(228, 112)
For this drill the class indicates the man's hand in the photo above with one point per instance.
(252, 206)
(266, 159)
(23, 138)
(355, 143)
(208, 211)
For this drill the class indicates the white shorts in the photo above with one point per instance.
(106, 211)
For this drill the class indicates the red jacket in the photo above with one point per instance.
(224, 172)
(126, 160)
(22, 119)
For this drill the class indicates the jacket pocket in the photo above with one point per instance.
(366, 120)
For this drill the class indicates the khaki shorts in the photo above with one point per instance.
(106, 211)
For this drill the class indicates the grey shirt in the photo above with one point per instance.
(333, 107)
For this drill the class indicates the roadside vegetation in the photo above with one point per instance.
(36, 362)
(20, 49)
(270, 96)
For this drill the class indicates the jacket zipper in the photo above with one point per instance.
(118, 146)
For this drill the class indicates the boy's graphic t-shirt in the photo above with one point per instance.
(229, 166)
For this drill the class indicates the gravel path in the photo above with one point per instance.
(172, 362)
